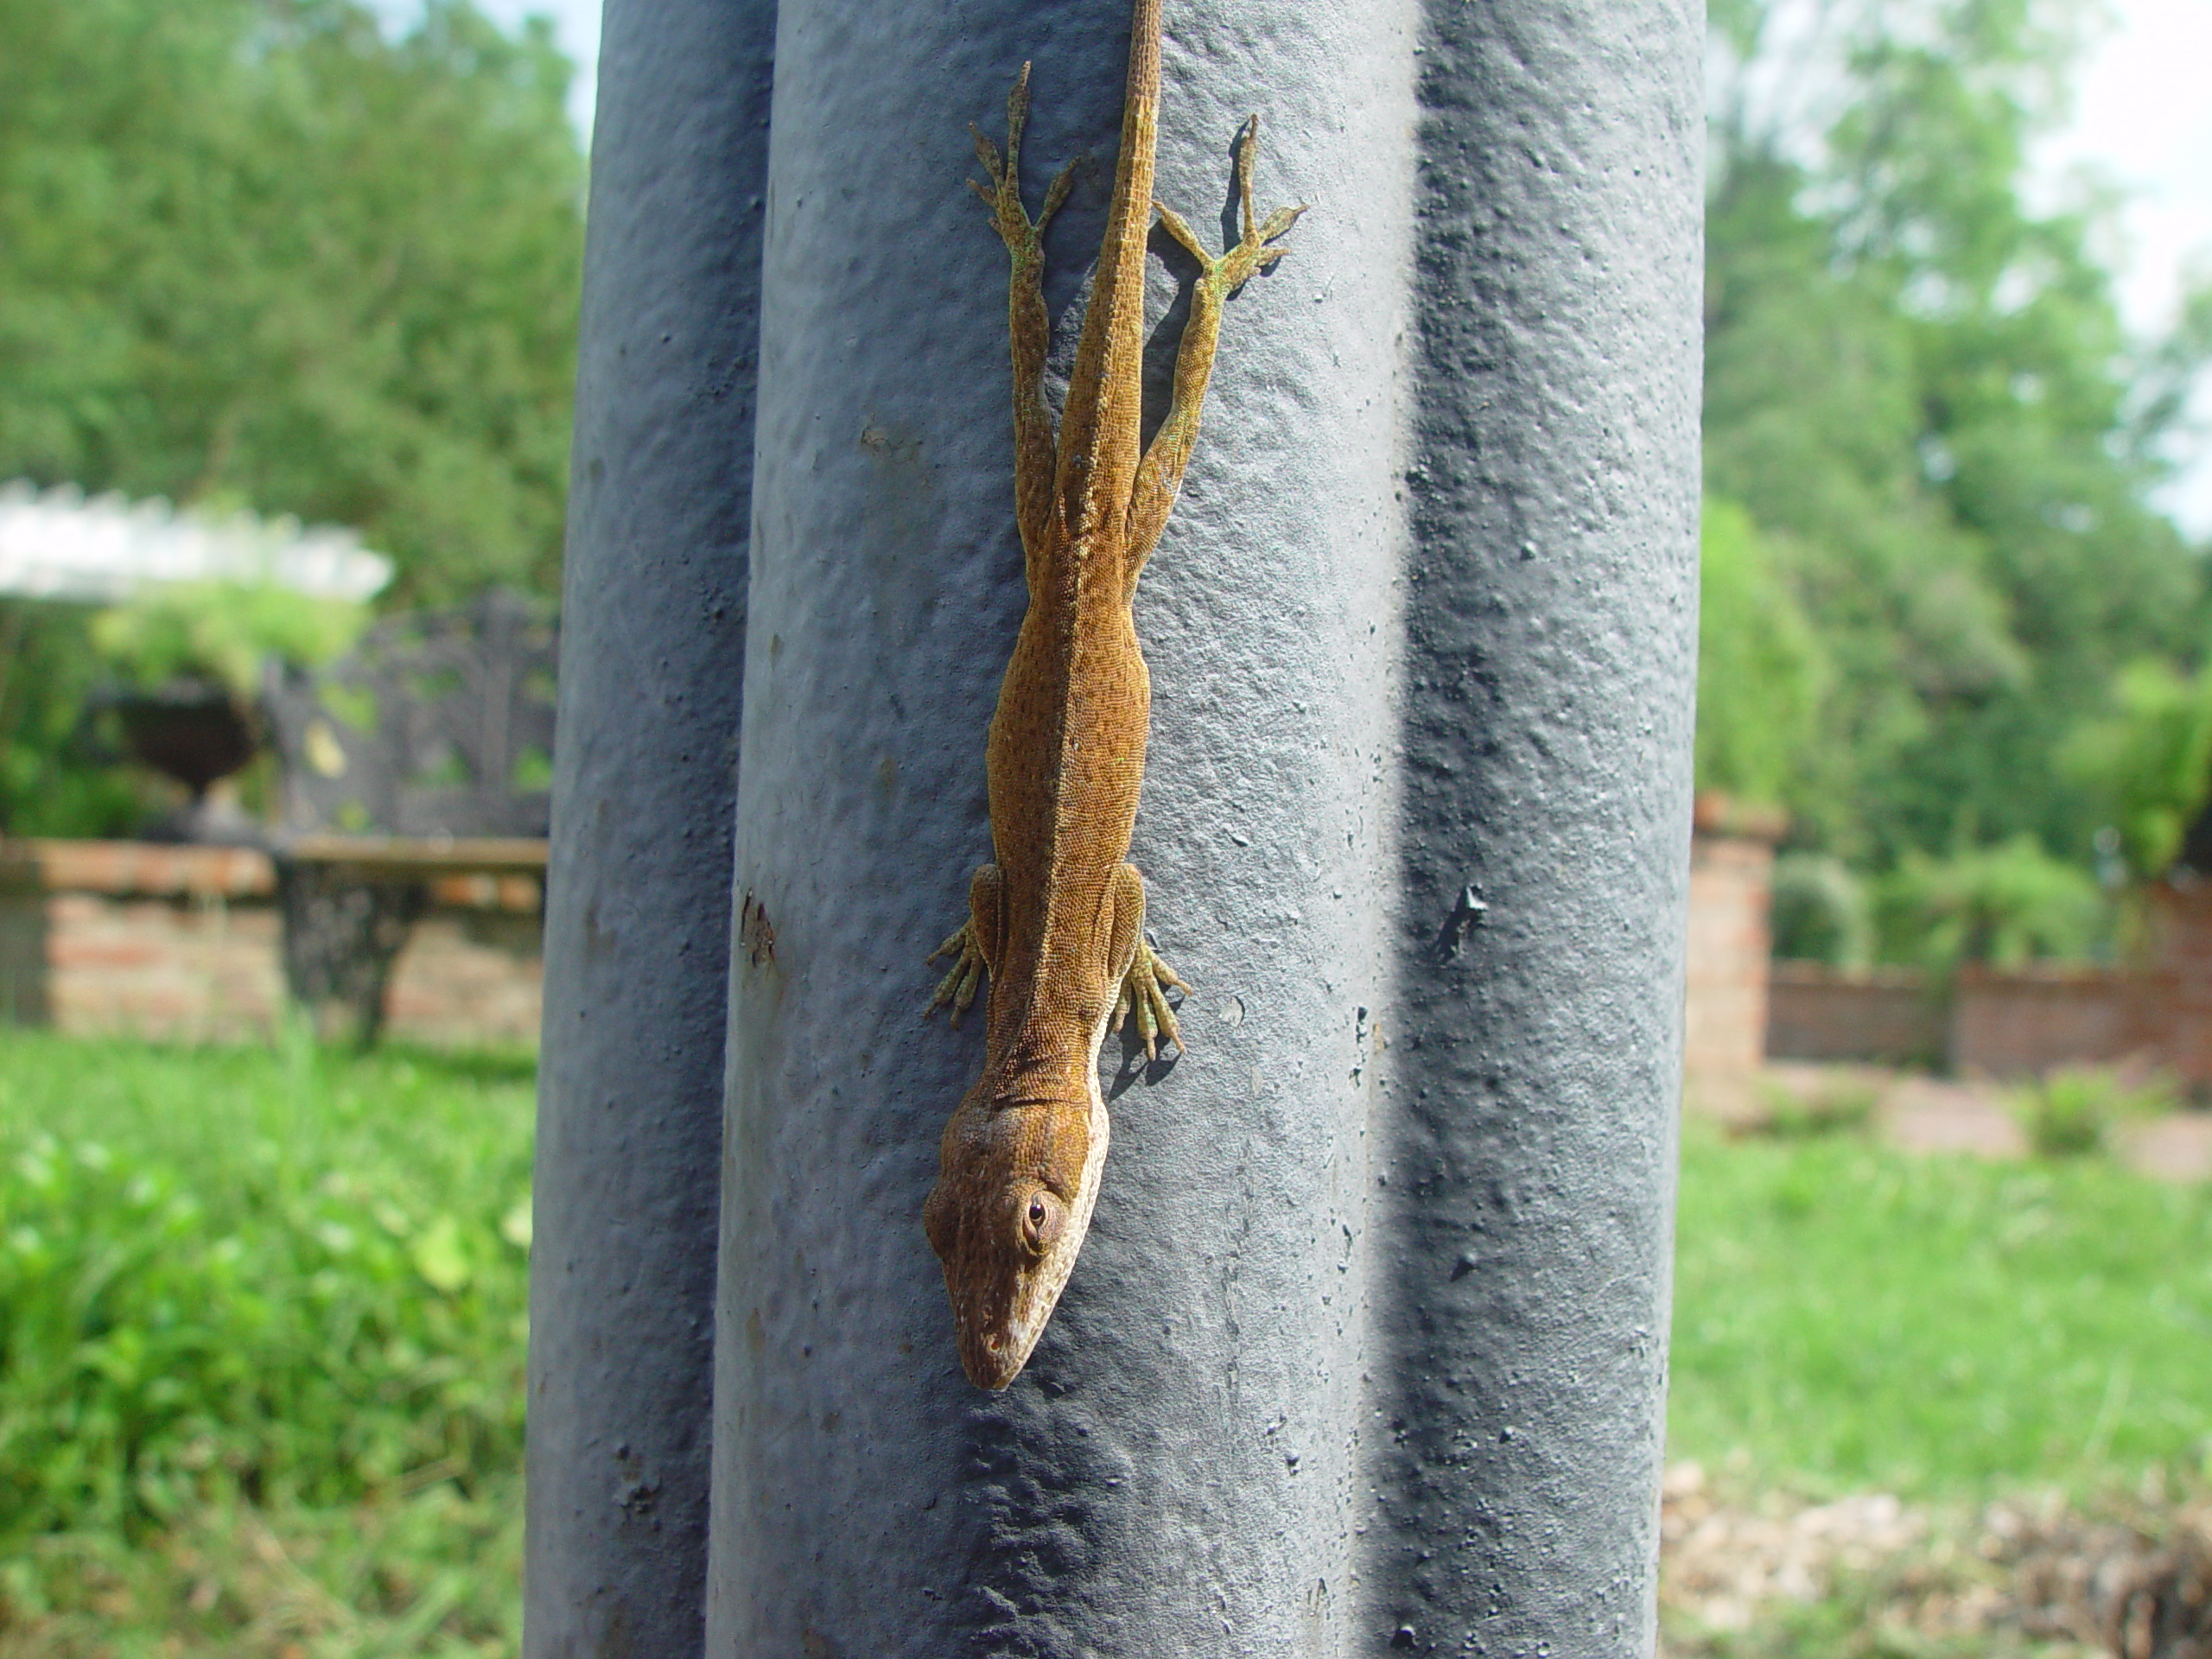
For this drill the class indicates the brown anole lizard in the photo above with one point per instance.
(1057, 920)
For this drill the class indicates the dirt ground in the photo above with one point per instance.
(2134, 1581)
(1923, 1114)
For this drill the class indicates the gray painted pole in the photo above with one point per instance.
(637, 903)
(1365, 1350)
(1518, 1331)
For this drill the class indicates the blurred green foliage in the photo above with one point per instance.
(2146, 759)
(50, 782)
(1787, 1114)
(1751, 633)
(256, 252)
(259, 252)
(428, 1573)
(284, 1277)
(221, 630)
(1821, 912)
(2002, 904)
(2072, 1112)
(1918, 390)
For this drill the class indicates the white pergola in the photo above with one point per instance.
(58, 544)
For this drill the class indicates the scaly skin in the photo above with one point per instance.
(1057, 920)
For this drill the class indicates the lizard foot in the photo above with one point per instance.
(959, 987)
(1144, 993)
(1225, 275)
(1003, 196)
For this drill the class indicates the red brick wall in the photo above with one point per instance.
(1885, 1015)
(468, 977)
(2179, 949)
(2019, 1022)
(2024, 1022)
(197, 970)
(180, 944)
(1724, 1015)
(2159, 1012)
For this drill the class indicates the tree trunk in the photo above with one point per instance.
(1365, 1351)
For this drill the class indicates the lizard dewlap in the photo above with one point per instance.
(1056, 920)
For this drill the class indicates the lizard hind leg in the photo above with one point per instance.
(973, 946)
(1255, 251)
(1161, 473)
(1145, 978)
(1029, 329)
(1021, 234)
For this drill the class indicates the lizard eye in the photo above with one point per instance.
(1040, 1222)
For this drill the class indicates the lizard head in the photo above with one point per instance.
(1006, 1253)
(1007, 1229)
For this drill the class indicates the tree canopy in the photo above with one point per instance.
(260, 253)
(1921, 404)
(256, 252)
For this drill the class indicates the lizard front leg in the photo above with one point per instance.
(1144, 977)
(975, 948)
(1159, 475)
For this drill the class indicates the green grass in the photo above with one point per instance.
(271, 1297)
(430, 1573)
(262, 1339)
(1847, 1316)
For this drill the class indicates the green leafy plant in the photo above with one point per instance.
(1792, 1115)
(2148, 760)
(2004, 904)
(1821, 912)
(221, 631)
(49, 668)
(1760, 675)
(286, 1278)
(2073, 1111)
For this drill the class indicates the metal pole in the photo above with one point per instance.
(1364, 1352)
(637, 903)
(1519, 1333)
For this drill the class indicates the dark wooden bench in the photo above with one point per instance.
(428, 752)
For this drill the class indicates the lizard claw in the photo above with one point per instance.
(1232, 269)
(959, 987)
(1144, 993)
(1003, 195)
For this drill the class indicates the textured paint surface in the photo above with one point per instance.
(1364, 1352)
(1519, 1338)
(637, 917)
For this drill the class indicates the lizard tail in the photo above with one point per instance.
(1099, 429)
